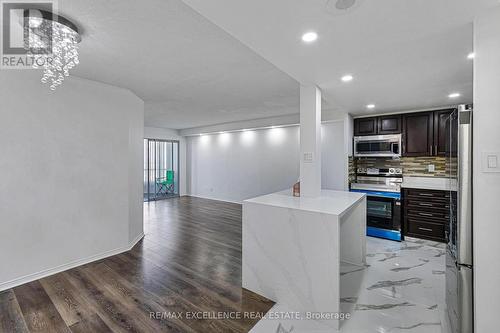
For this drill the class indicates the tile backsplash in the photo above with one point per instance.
(418, 166)
(352, 169)
(379, 162)
(412, 166)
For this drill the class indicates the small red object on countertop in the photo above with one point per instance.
(296, 189)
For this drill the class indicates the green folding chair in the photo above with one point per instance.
(165, 185)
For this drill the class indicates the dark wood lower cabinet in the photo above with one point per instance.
(421, 228)
(426, 213)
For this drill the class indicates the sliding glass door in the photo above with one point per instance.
(161, 169)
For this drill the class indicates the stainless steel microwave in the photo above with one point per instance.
(377, 146)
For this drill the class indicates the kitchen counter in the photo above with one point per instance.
(293, 246)
(430, 183)
(330, 202)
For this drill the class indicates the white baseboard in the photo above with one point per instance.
(135, 241)
(64, 267)
(213, 198)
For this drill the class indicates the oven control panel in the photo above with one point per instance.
(380, 172)
(395, 171)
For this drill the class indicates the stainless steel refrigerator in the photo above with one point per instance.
(459, 264)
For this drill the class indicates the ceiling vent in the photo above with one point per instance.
(339, 7)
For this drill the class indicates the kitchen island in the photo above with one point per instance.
(292, 249)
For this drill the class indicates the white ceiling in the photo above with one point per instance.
(404, 54)
(216, 63)
(188, 71)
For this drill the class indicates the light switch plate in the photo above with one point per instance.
(431, 168)
(490, 161)
(308, 157)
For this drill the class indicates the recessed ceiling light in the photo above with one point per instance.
(471, 55)
(347, 78)
(454, 95)
(344, 4)
(309, 37)
(370, 106)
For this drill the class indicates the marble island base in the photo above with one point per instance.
(293, 247)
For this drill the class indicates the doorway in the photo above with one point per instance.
(161, 169)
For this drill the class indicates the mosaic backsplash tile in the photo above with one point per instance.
(379, 162)
(352, 170)
(418, 166)
(412, 166)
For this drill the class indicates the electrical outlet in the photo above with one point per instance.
(431, 168)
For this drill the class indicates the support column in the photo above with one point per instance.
(486, 178)
(310, 141)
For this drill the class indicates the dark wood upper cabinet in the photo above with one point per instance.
(418, 134)
(440, 132)
(389, 124)
(423, 133)
(365, 126)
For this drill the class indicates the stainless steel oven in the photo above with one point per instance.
(377, 146)
(383, 191)
(383, 214)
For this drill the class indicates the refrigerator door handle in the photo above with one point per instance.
(465, 299)
(464, 194)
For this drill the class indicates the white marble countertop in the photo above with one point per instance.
(330, 202)
(430, 183)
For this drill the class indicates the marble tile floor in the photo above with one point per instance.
(401, 289)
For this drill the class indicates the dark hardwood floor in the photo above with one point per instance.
(188, 264)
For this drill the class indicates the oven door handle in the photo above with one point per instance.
(382, 196)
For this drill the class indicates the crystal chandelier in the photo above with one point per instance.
(52, 42)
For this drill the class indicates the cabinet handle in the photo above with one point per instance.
(425, 214)
(426, 194)
(436, 150)
(431, 149)
(425, 204)
(424, 229)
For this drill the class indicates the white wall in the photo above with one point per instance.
(349, 134)
(241, 165)
(171, 134)
(486, 185)
(334, 156)
(71, 174)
